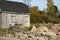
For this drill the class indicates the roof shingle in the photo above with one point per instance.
(14, 6)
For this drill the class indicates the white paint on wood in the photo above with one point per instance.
(7, 19)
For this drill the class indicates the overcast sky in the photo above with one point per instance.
(42, 4)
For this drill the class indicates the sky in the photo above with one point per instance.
(42, 4)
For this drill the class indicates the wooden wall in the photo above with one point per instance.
(9, 18)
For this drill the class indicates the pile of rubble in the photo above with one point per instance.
(42, 33)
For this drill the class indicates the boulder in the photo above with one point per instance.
(42, 29)
(50, 33)
(57, 26)
(33, 29)
(59, 33)
(20, 35)
(41, 38)
(8, 38)
(9, 35)
(53, 38)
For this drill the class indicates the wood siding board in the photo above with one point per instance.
(1, 19)
(23, 19)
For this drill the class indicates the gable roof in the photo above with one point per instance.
(14, 6)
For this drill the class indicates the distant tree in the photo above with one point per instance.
(34, 10)
(27, 2)
(50, 5)
(55, 11)
(40, 12)
(59, 15)
(35, 16)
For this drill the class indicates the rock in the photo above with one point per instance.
(50, 33)
(59, 33)
(12, 24)
(53, 38)
(41, 38)
(38, 34)
(42, 33)
(46, 38)
(9, 35)
(58, 38)
(54, 30)
(20, 35)
(15, 38)
(57, 26)
(33, 29)
(8, 38)
(42, 29)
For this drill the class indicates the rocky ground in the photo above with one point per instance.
(41, 33)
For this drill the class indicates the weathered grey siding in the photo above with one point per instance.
(23, 19)
(4, 22)
(0, 19)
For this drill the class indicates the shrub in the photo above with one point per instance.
(27, 28)
(3, 31)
